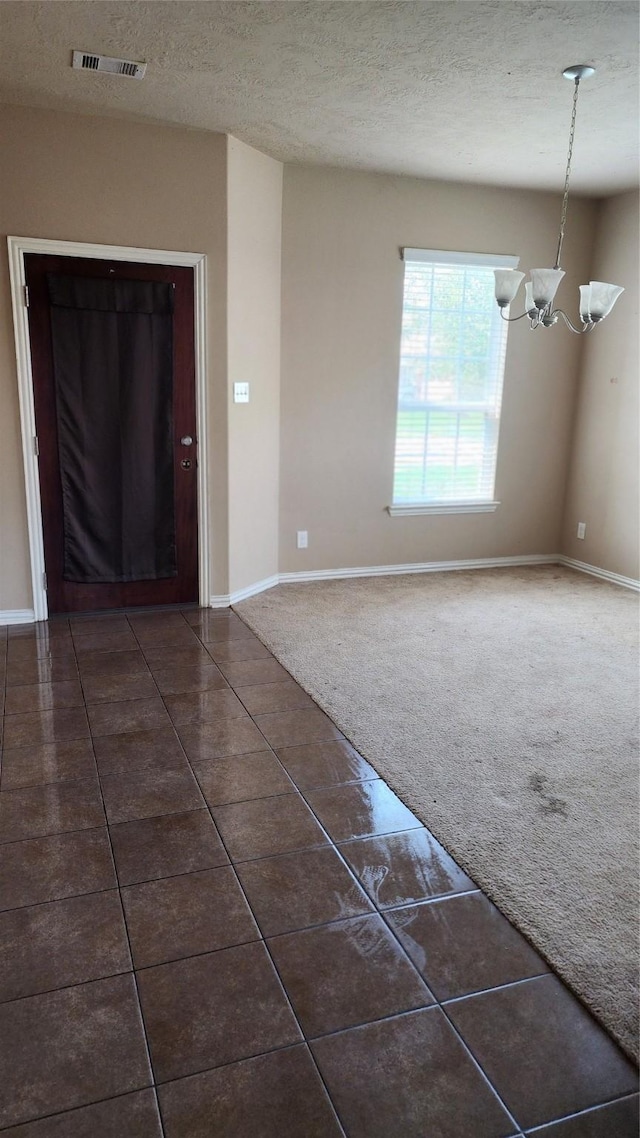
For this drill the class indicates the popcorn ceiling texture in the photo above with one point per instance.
(502, 706)
(451, 89)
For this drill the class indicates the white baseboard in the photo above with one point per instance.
(603, 574)
(17, 616)
(419, 567)
(27, 616)
(225, 599)
(425, 567)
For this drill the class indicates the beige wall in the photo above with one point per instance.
(105, 181)
(603, 484)
(342, 301)
(253, 298)
(101, 180)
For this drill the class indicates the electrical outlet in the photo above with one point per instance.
(302, 539)
(582, 529)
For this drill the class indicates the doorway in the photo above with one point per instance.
(116, 355)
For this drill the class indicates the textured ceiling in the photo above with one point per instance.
(466, 90)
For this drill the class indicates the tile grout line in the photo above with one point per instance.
(253, 940)
(92, 893)
(437, 897)
(247, 1059)
(533, 1130)
(206, 869)
(152, 1087)
(3, 748)
(480, 1068)
(437, 1003)
(405, 954)
(413, 966)
(495, 988)
(331, 844)
(126, 932)
(70, 1110)
(261, 940)
(381, 912)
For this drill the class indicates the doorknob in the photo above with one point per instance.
(186, 440)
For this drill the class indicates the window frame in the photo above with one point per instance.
(471, 260)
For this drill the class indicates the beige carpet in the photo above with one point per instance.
(502, 706)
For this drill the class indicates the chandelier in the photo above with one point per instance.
(596, 299)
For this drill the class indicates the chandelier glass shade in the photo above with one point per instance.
(596, 298)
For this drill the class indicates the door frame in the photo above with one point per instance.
(18, 247)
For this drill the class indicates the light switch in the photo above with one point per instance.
(241, 393)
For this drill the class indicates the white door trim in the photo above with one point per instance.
(18, 247)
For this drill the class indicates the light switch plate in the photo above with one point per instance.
(241, 393)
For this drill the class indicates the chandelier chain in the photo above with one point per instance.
(565, 199)
(597, 298)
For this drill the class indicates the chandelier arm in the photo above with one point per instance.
(512, 319)
(565, 199)
(578, 331)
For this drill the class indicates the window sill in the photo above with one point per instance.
(401, 510)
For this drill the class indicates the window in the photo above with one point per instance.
(452, 356)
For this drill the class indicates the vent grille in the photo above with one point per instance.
(88, 61)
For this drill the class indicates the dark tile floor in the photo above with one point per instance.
(215, 919)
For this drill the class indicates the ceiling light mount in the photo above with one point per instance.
(596, 299)
(578, 71)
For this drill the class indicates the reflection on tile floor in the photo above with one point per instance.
(216, 920)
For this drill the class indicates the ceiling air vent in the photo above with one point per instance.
(88, 61)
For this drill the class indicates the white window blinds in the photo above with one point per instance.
(452, 356)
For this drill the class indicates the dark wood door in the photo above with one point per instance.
(79, 585)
